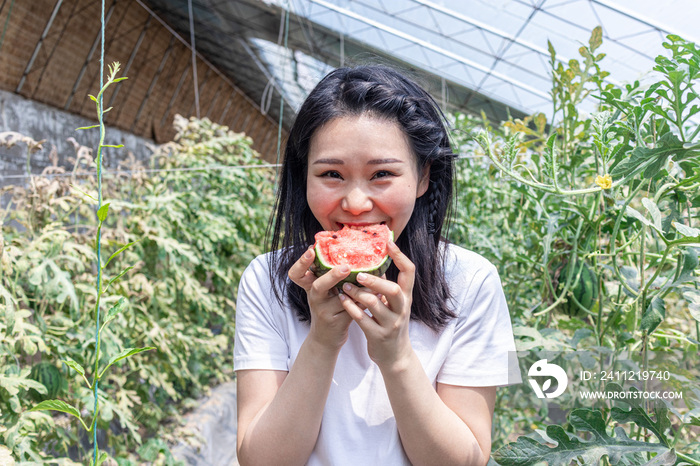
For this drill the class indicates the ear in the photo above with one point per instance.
(424, 181)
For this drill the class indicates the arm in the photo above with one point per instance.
(279, 413)
(449, 426)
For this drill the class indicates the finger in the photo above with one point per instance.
(364, 321)
(365, 298)
(392, 295)
(299, 272)
(326, 283)
(407, 270)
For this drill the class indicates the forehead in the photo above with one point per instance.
(360, 135)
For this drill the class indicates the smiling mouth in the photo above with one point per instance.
(358, 225)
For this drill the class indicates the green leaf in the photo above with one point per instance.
(114, 311)
(62, 284)
(654, 315)
(102, 212)
(651, 161)
(58, 405)
(687, 231)
(632, 212)
(596, 39)
(102, 458)
(123, 355)
(552, 52)
(14, 384)
(668, 458)
(75, 366)
(83, 192)
(122, 249)
(653, 209)
(690, 263)
(9, 310)
(528, 452)
(117, 278)
(692, 297)
(638, 414)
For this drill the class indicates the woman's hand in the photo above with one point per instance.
(388, 342)
(329, 321)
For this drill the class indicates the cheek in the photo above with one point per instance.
(320, 201)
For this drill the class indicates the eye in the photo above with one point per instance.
(382, 174)
(331, 174)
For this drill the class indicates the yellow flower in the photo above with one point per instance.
(604, 182)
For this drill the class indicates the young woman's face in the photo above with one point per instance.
(362, 171)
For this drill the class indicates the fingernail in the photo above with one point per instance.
(342, 297)
(307, 254)
(361, 277)
(347, 287)
(344, 268)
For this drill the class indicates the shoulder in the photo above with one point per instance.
(260, 266)
(473, 280)
(462, 264)
(257, 274)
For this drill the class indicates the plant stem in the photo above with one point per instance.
(687, 458)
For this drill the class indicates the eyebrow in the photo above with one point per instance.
(371, 162)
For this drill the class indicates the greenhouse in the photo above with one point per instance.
(335, 232)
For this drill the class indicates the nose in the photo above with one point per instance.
(356, 201)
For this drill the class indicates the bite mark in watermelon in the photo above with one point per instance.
(363, 248)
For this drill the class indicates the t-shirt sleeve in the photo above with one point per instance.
(259, 341)
(483, 348)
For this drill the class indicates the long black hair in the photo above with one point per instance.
(382, 92)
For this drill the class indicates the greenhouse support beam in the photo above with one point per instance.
(643, 19)
(264, 71)
(214, 100)
(184, 74)
(226, 107)
(130, 62)
(202, 58)
(429, 46)
(152, 86)
(38, 46)
(88, 59)
(482, 26)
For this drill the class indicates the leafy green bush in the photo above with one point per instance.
(592, 221)
(200, 213)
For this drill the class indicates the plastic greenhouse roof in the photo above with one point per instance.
(473, 55)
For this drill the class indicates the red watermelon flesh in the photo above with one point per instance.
(363, 248)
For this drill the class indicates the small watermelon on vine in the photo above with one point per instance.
(584, 287)
(50, 377)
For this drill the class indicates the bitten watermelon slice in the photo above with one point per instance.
(363, 248)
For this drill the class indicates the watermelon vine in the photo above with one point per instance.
(100, 323)
(598, 211)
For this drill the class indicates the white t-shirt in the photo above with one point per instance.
(358, 425)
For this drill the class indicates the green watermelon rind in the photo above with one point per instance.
(50, 377)
(584, 291)
(320, 268)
